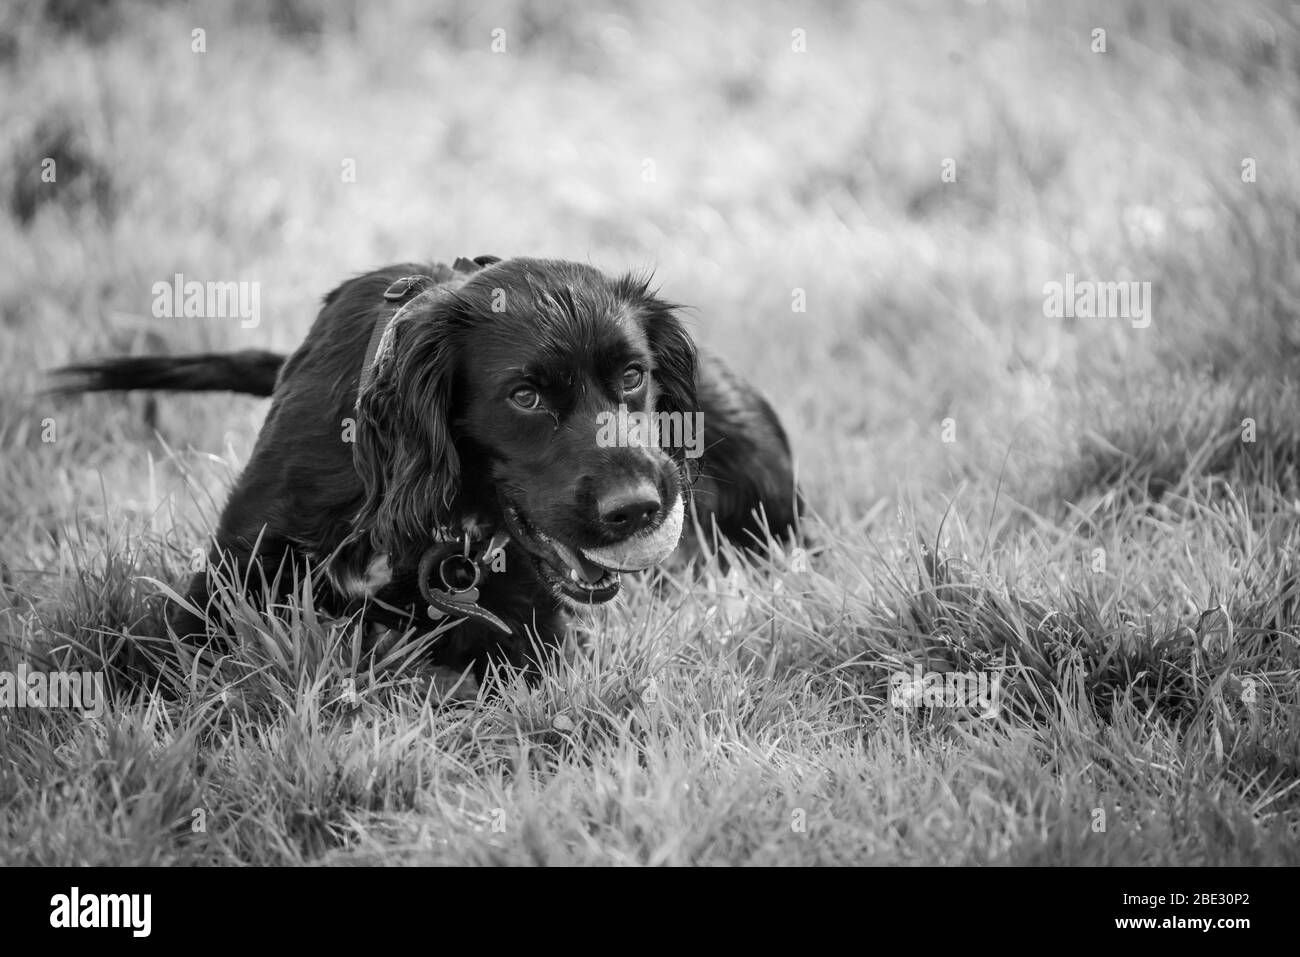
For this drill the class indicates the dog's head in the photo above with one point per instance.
(542, 398)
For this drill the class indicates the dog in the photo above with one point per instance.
(478, 447)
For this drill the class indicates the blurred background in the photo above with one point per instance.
(751, 154)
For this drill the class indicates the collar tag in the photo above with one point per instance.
(457, 577)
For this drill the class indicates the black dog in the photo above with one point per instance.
(462, 444)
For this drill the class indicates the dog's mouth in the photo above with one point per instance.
(591, 576)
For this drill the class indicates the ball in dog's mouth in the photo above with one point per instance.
(591, 575)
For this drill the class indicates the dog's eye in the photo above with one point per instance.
(633, 378)
(527, 399)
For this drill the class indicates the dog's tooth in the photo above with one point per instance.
(573, 575)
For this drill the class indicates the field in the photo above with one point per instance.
(863, 206)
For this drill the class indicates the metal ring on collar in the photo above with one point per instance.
(464, 564)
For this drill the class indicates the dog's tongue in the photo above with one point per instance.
(589, 571)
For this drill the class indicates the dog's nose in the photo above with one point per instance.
(629, 509)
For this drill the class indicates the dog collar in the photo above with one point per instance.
(400, 294)
(455, 592)
(459, 575)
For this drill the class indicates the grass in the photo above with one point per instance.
(1105, 534)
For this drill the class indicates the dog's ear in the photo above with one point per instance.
(404, 450)
(676, 370)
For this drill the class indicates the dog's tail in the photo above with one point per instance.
(251, 371)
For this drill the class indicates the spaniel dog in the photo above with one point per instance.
(478, 448)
